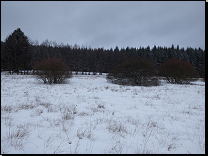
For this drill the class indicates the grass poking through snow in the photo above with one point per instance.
(89, 115)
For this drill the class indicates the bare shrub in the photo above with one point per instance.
(178, 71)
(139, 72)
(53, 70)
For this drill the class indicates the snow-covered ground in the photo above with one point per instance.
(90, 115)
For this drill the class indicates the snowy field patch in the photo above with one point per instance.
(90, 115)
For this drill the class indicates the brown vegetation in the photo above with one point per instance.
(53, 70)
(134, 72)
(178, 71)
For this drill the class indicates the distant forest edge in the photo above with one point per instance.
(19, 53)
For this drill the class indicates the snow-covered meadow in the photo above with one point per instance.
(90, 115)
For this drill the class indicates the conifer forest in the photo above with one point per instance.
(18, 52)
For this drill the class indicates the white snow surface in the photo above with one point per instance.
(90, 115)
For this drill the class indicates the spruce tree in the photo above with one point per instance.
(17, 50)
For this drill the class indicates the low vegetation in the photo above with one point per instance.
(90, 116)
(139, 72)
(53, 70)
(178, 71)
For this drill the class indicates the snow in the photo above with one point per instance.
(90, 115)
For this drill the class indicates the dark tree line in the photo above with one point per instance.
(19, 53)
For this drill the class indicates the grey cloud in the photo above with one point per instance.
(108, 24)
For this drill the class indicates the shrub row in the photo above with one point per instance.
(141, 72)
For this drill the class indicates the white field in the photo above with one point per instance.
(90, 115)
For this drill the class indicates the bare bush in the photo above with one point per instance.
(139, 72)
(53, 70)
(178, 71)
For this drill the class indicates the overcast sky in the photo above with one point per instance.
(108, 24)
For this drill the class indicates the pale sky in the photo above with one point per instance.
(108, 23)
